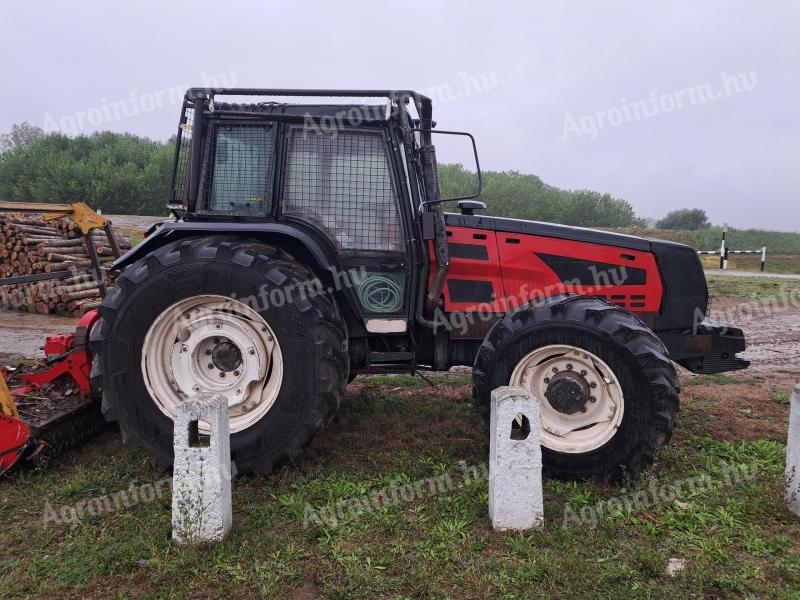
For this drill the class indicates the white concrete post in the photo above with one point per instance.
(793, 455)
(201, 480)
(515, 461)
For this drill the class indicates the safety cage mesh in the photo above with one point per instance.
(241, 169)
(344, 184)
(180, 171)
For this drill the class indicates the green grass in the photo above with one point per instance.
(752, 262)
(779, 397)
(756, 288)
(777, 242)
(780, 244)
(738, 540)
(713, 379)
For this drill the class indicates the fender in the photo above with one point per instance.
(291, 238)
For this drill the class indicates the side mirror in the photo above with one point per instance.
(468, 207)
(475, 190)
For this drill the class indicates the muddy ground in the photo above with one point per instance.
(753, 403)
(749, 404)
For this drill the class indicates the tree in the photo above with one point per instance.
(118, 173)
(523, 196)
(685, 218)
(22, 135)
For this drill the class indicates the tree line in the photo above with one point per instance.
(128, 174)
(115, 172)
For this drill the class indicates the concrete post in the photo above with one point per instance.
(793, 455)
(515, 461)
(201, 481)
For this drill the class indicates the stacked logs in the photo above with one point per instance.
(29, 245)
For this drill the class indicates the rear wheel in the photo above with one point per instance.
(606, 387)
(229, 317)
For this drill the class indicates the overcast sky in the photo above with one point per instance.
(668, 105)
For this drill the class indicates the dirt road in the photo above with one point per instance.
(772, 330)
(22, 334)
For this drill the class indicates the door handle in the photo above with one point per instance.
(393, 265)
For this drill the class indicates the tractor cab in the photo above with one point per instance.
(352, 187)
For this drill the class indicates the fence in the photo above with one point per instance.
(724, 251)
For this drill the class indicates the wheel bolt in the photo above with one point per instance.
(592, 399)
(210, 366)
(569, 367)
(208, 352)
(217, 326)
(555, 369)
(547, 380)
(583, 372)
(252, 350)
(593, 385)
(221, 374)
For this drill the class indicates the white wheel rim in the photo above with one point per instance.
(192, 348)
(583, 430)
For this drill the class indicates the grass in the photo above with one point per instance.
(777, 242)
(757, 288)
(713, 379)
(789, 264)
(780, 244)
(779, 397)
(738, 540)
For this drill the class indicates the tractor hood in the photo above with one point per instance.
(685, 300)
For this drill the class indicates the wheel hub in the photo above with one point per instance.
(218, 345)
(226, 356)
(581, 399)
(568, 393)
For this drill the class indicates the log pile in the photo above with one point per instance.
(29, 245)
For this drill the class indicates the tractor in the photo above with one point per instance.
(309, 244)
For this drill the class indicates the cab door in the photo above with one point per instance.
(344, 186)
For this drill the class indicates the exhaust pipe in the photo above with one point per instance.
(433, 202)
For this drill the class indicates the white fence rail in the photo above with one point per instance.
(724, 251)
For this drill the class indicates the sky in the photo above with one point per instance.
(667, 105)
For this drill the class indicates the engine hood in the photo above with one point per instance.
(685, 299)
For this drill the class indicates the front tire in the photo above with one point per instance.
(227, 316)
(607, 389)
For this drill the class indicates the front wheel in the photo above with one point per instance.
(231, 317)
(607, 390)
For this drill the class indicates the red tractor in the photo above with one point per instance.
(309, 244)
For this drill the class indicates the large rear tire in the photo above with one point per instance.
(229, 316)
(607, 388)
